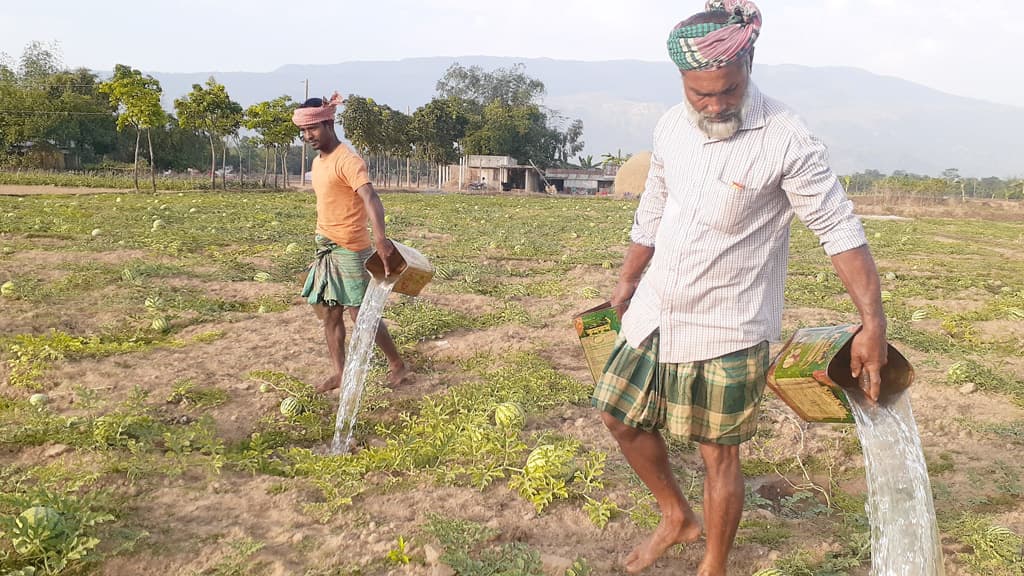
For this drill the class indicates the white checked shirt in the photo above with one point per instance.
(718, 214)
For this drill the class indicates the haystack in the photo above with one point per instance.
(629, 180)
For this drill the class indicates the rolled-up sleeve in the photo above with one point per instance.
(818, 198)
(652, 205)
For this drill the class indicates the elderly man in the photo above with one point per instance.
(729, 169)
(345, 201)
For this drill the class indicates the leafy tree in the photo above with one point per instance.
(437, 127)
(506, 117)
(272, 122)
(617, 159)
(210, 111)
(510, 86)
(137, 99)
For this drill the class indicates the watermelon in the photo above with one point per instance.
(886, 295)
(606, 265)
(96, 231)
(291, 248)
(7, 288)
(160, 325)
(442, 272)
(193, 210)
(38, 400)
(589, 292)
(127, 275)
(510, 416)
(42, 518)
(154, 303)
(265, 387)
(261, 277)
(291, 407)
(919, 315)
(157, 224)
(551, 460)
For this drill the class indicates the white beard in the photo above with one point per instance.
(719, 129)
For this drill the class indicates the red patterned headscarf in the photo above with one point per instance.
(303, 117)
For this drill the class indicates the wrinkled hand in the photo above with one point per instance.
(868, 354)
(385, 248)
(621, 295)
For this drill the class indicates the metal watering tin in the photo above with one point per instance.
(811, 374)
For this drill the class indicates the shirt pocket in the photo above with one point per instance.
(733, 198)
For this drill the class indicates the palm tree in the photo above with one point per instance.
(586, 162)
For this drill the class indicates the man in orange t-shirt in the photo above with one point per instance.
(345, 200)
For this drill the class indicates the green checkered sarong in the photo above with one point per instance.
(711, 401)
(338, 276)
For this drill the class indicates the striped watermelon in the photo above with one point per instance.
(919, 315)
(127, 275)
(261, 277)
(510, 416)
(550, 460)
(589, 292)
(160, 324)
(291, 407)
(7, 288)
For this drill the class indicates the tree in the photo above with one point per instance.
(617, 159)
(210, 111)
(510, 86)
(586, 162)
(437, 127)
(272, 121)
(507, 117)
(137, 99)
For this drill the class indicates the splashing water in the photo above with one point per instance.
(904, 534)
(357, 362)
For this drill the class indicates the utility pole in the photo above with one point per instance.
(303, 172)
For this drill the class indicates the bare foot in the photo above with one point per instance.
(666, 535)
(332, 383)
(400, 377)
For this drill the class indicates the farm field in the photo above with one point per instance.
(165, 330)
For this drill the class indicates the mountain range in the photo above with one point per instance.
(867, 120)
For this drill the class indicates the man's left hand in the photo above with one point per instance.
(385, 248)
(868, 354)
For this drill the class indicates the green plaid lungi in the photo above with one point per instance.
(711, 401)
(337, 277)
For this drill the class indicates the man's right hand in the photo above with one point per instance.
(621, 296)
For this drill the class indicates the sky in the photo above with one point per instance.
(943, 44)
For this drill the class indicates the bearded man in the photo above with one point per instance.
(700, 292)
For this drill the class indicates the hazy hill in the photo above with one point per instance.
(868, 121)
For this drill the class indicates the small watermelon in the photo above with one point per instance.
(265, 387)
(96, 231)
(291, 248)
(919, 315)
(158, 224)
(127, 275)
(607, 265)
(261, 277)
(291, 407)
(7, 288)
(160, 324)
(442, 272)
(891, 276)
(510, 416)
(42, 518)
(154, 303)
(886, 295)
(589, 292)
(549, 459)
(38, 400)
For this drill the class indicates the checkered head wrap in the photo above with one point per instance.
(701, 43)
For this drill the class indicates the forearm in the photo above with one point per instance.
(637, 258)
(374, 210)
(856, 268)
